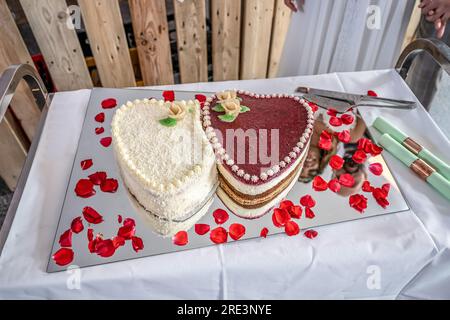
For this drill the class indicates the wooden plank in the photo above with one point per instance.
(12, 149)
(414, 21)
(14, 51)
(106, 35)
(152, 40)
(281, 22)
(58, 43)
(257, 28)
(226, 38)
(190, 18)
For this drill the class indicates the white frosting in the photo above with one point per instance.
(169, 170)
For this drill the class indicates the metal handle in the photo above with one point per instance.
(9, 81)
(438, 50)
(386, 102)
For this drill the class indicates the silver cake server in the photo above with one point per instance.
(342, 101)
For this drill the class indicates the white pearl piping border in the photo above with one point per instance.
(221, 153)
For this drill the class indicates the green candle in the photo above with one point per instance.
(420, 167)
(384, 126)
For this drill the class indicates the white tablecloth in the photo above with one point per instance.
(345, 261)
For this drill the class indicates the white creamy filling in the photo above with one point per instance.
(257, 212)
(255, 189)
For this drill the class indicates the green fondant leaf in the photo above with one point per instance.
(218, 108)
(168, 122)
(227, 118)
(191, 110)
(244, 109)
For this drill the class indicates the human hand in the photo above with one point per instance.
(438, 12)
(291, 5)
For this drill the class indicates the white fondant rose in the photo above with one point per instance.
(226, 95)
(232, 107)
(177, 111)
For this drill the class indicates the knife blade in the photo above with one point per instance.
(357, 100)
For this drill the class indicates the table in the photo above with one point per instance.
(385, 257)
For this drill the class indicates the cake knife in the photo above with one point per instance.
(355, 100)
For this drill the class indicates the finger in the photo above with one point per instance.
(424, 3)
(438, 13)
(441, 31)
(290, 5)
(429, 7)
(437, 24)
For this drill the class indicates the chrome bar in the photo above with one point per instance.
(9, 82)
(437, 49)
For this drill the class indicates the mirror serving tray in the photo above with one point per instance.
(331, 208)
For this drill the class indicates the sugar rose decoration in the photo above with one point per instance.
(177, 112)
(229, 103)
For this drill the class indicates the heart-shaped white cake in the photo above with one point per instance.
(166, 162)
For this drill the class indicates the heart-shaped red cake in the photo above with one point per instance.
(261, 142)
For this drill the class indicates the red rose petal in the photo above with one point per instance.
(295, 212)
(109, 103)
(366, 187)
(126, 231)
(109, 185)
(105, 248)
(334, 185)
(118, 241)
(98, 177)
(169, 95)
(86, 164)
(358, 202)
(314, 107)
(84, 188)
(376, 168)
(93, 243)
(291, 228)
(359, 156)
(309, 213)
(129, 222)
(347, 119)
(100, 117)
(325, 140)
(311, 234)
(181, 238)
(236, 231)
(380, 196)
(63, 256)
(90, 234)
(386, 188)
(106, 141)
(202, 229)
(363, 144)
(77, 225)
(307, 201)
(332, 112)
(335, 122)
(336, 162)
(219, 235)
(319, 184)
(280, 217)
(344, 136)
(220, 216)
(374, 149)
(264, 232)
(372, 93)
(137, 244)
(92, 216)
(286, 204)
(201, 98)
(65, 240)
(119, 218)
(347, 180)
(99, 130)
